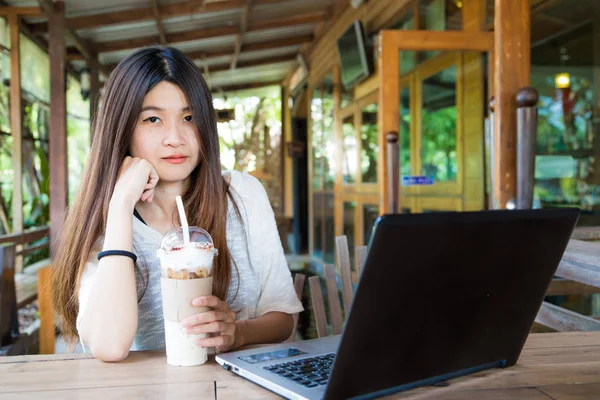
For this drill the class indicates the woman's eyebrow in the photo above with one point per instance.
(154, 108)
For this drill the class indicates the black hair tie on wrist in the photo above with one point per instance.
(117, 253)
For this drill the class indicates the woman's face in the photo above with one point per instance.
(165, 134)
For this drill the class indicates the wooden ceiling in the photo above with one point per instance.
(565, 25)
(236, 43)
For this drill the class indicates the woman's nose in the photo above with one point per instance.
(174, 136)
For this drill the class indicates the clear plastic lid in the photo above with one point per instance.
(173, 239)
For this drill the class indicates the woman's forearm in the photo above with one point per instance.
(273, 327)
(109, 323)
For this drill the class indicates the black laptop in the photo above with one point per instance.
(441, 295)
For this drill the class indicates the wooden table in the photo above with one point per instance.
(552, 366)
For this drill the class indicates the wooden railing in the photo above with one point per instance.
(27, 237)
(19, 288)
(579, 274)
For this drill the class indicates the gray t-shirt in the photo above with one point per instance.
(265, 283)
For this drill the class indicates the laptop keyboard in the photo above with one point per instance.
(309, 372)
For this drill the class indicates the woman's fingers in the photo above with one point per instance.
(210, 301)
(222, 342)
(207, 317)
(213, 327)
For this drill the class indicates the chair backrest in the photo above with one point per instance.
(337, 316)
(46, 309)
(9, 323)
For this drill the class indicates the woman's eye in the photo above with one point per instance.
(152, 120)
(188, 118)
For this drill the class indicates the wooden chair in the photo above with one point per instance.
(45, 306)
(336, 317)
(9, 323)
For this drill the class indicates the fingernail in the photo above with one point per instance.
(196, 302)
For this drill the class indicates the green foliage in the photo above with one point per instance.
(438, 133)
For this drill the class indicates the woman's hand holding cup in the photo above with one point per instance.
(218, 322)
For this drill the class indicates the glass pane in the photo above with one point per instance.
(316, 115)
(6, 142)
(369, 146)
(405, 129)
(318, 225)
(370, 214)
(328, 135)
(6, 182)
(438, 126)
(36, 190)
(408, 61)
(35, 70)
(329, 256)
(407, 58)
(489, 12)
(349, 150)
(347, 97)
(567, 152)
(440, 15)
(349, 227)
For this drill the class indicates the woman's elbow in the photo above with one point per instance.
(110, 353)
(287, 326)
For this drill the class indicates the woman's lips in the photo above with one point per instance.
(175, 159)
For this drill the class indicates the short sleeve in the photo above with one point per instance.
(277, 288)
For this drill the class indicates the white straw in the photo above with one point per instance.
(184, 223)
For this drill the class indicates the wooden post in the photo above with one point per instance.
(512, 64)
(388, 116)
(527, 99)
(58, 122)
(16, 131)
(393, 152)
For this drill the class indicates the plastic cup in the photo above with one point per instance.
(186, 273)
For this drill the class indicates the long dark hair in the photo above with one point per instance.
(112, 128)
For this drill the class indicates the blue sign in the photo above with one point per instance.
(416, 180)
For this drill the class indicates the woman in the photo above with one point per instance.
(155, 137)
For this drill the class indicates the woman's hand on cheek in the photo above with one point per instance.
(218, 322)
(137, 180)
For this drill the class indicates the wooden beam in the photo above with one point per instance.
(16, 127)
(189, 7)
(565, 287)
(159, 26)
(7, 11)
(586, 233)
(440, 40)
(58, 123)
(208, 33)
(580, 263)
(277, 43)
(512, 66)
(187, 36)
(295, 20)
(245, 86)
(73, 54)
(563, 320)
(257, 63)
(473, 15)
(30, 235)
(240, 36)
